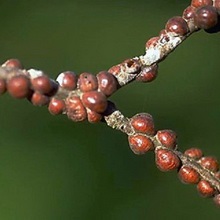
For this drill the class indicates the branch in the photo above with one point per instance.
(85, 96)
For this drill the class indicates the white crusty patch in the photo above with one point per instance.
(59, 78)
(163, 48)
(174, 41)
(152, 55)
(35, 73)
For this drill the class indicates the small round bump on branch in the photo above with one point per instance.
(42, 84)
(94, 100)
(13, 63)
(209, 163)
(205, 189)
(216, 28)
(19, 87)
(75, 109)
(67, 80)
(143, 123)
(189, 12)
(167, 138)
(56, 106)
(199, 3)
(107, 83)
(216, 200)
(188, 175)
(166, 160)
(3, 87)
(92, 116)
(194, 153)
(188, 15)
(140, 143)
(148, 73)
(39, 99)
(163, 32)
(152, 42)
(87, 82)
(115, 70)
(177, 25)
(206, 17)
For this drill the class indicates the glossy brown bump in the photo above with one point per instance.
(163, 32)
(214, 29)
(115, 70)
(194, 153)
(143, 122)
(69, 80)
(39, 99)
(42, 84)
(94, 100)
(166, 160)
(87, 82)
(167, 138)
(75, 110)
(19, 86)
(56, 106)
(188, 15)
(93, 117)
(199, 3)
(107, 83)
(177, 25)
(188, 175)
(140, 144)
(13, 63)
(152, 42)
(206, 17)
(3, 87)
(209, 163)
(189, 12)
(205, 189)
(148, 74)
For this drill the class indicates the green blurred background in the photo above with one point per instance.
(52, 168)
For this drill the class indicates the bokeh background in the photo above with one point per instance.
(52, 168)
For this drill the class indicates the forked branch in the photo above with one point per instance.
(85, 96)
